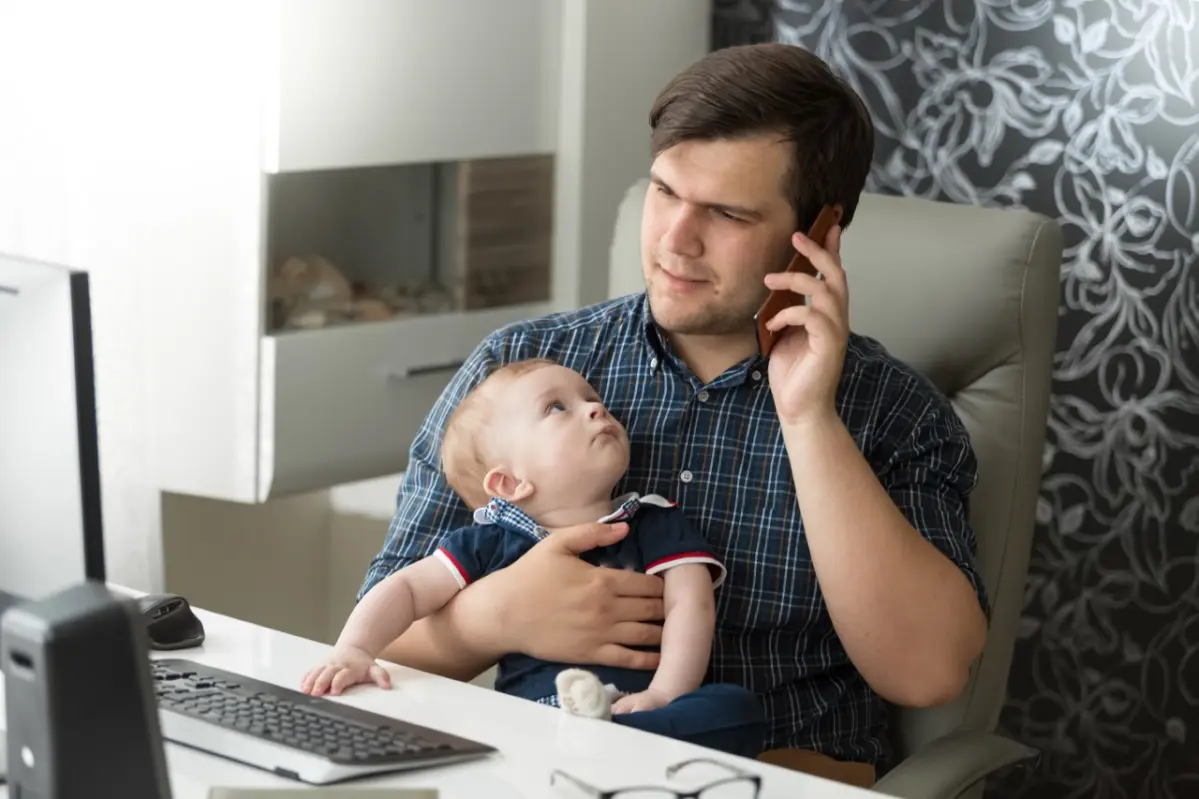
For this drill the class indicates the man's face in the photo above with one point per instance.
(715, 222)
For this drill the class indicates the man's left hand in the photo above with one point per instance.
(806, 363)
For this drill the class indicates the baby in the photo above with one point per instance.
(533, 448)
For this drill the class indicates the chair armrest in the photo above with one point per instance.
(949, 766)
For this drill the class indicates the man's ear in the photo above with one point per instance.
(501, 483)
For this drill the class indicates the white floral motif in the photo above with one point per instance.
(1086, 110)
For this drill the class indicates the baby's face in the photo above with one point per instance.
(555, 433)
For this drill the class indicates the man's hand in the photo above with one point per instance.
(346, 666)
(555, 606)
(806, 363)
(645, 700)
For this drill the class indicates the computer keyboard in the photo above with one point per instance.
(307, 738)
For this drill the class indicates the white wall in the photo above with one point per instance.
(603, 135)
(45, 213)
(119, 154)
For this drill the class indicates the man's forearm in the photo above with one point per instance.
(452, 642)
(908, 617)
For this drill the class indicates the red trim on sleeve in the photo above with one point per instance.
(457, 565)
(660, 562)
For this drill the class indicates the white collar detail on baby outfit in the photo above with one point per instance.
(510, 517)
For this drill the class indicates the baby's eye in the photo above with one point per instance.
(555, 406)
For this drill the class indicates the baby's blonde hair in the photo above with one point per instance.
(467, 453)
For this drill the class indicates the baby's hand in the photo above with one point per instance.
(345, 667)
(646, 700)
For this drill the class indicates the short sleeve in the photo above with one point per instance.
(427, 508)
(667, 538)
(472, 552)
(929, 477)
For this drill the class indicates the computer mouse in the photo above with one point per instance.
(170, 622)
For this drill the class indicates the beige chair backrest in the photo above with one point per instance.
(969, 297)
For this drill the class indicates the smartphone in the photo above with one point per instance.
(779, 299)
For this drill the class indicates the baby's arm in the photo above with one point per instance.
(686, 638)
(380, 617)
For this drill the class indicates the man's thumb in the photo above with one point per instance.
(583, 537)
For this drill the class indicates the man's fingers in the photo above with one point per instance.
(826, 261)
(795, 316)
(798, 282)
(820, 328)
(635, 633)
(589, 536)
(638, 609)
(623, 658)
(816, 253)
(823, 293)
(625, 582)
(832, 242)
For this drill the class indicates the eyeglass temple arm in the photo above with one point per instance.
(578, 783)
(677, 767)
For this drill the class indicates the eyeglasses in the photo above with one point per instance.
(737, 784)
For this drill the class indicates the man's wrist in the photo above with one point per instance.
(817, 422)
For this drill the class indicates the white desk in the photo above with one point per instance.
(532, 739)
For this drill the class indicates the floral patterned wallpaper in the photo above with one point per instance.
(1088, 111)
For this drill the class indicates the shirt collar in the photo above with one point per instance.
(511, 518)
(659, 348)
(661, 353)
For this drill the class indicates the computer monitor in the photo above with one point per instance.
(50, 527)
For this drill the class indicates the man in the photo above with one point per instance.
(831, 478)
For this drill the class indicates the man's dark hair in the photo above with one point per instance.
(775, 88)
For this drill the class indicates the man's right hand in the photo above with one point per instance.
(554, 606)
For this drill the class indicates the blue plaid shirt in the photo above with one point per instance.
(717, 450)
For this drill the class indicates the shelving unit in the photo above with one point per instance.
(393, 242)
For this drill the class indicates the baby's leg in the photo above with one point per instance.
(581, 693)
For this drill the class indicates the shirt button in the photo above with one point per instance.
(686, 476)
(703, 396)
(653, 363)
(756, 375)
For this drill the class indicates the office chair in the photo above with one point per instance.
(969, 297)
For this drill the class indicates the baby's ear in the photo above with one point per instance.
(499, 482)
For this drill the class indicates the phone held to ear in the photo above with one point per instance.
(829, 216)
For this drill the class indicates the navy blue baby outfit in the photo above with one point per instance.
(725, 717)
